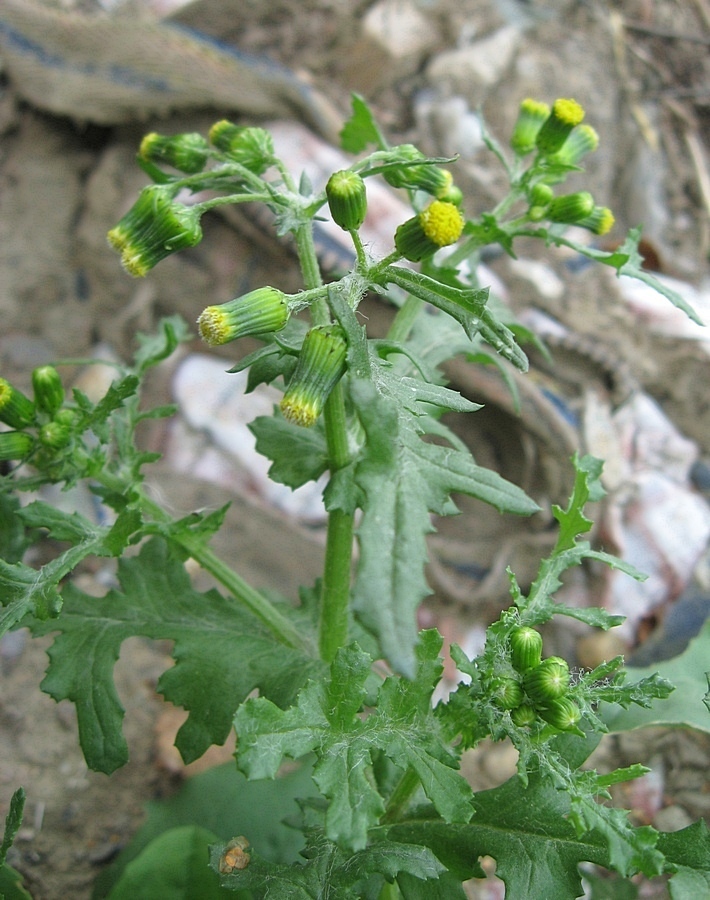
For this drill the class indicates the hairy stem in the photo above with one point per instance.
(333, 626)
(400, 797)
(241, 590)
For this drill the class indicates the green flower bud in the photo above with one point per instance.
(453, 194)
(262, 311)
(185, 152)
(555, 130)
(54, 435)
(399, 176)
(250, 146)
(526, 648)
(548, 681)
(16, 410)
(48, 389)
(541, 194)
(583, 139)
(563, 714)
(321, 365)
(523, 715)
(15, 445)
(531, 116)
(600, 221)
(428, 178)
(507, 693)
(66, 417)
(439, 225)
(571, 208)
(153, 228)
(347, 199)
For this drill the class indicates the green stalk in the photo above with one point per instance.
(400, 797)
(333, 626)
(262, 608)
(403, 321)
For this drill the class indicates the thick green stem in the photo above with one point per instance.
(403, 321)
(333, 631)
(401, 796)
(333, 628)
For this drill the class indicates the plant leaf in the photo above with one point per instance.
(326, 722)
(173, 866)
(361, 128)
(403, 480)
(298, 454)
(222, 653)
(686, 706)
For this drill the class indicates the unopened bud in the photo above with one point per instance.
(428, 178)
(48, 389)
(347, 199)
(54, 435)
(571, 208)
(582, 140)
(600, 220)
(16, 410)
(531, 115)
(15, 445)
(555, 130)
(541, 194)
(439, 225)
(154, 227)
(320, 366)
(262, 311)
(185, 152)
(250, 146)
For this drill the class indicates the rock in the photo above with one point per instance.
(480, 64)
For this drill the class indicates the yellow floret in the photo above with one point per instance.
(442, 222)
(299, 411)
(214, 326)
(568, 111)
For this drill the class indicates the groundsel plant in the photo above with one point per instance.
(339, 680)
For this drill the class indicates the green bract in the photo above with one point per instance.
(547, 681)
(507, 693)
(156, 226)
(15, 445)
(16, 410)
(526, 648)
(48, 389)
(186, 152)
(565, 115)
(561, 713)
(250, 146)
(321, 364)
(347, 199)
(262, 311)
